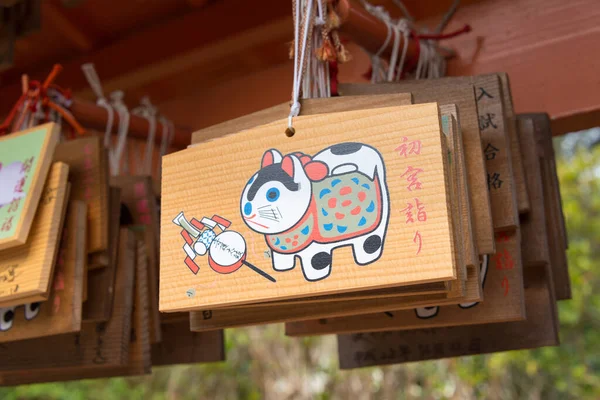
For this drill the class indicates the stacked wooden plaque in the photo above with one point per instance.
(416, 220)
(78, 267)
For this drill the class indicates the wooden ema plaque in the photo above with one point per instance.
(555, 223)
(88, 174)
(99, 303)
(494, 136)
(449, 118)
(533, 224)
(322, 106)
(311, 224)
(26, 270)
(181, 346)
(103, 344)
(463, 96)
(139, 362)
(25, 159)
(137, 195)
(139, 348)
(384, 348)
(497, 151)
(251, 314)
(502, 301)
(61, 313)
(458, 286)
(523, 202)
(220, 318)
(243, 315)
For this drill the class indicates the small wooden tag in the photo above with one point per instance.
(450, 126)
(139, 342)
(523, 201)
(98, 305)
(533, 225)
(497, 151)
(98, 344)
(138, 195)
(61, 313)
(25, 159)
(393, 347)
(88, 174)
(181, 346)
(555, 225)
(26, 271)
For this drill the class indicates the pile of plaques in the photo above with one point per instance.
(416, 220)
(78, 267)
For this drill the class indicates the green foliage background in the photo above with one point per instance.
(264, 364)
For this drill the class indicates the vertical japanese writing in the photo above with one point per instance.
(7, 224)
(13, 181)
(503, 261)
(487, 120)
(418, 240)
(412, 177)
(408, 148)
(409, 211)
(490, 152)
(27, 164)
(482, 93)
(414, 211)
(14, 205)
(494, 181)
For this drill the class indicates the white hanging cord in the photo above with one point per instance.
(394, 57)
(400, 30)
(116, 154)
(404, 10)
(320, 68)
(447, 17)
(431, 63)
(376, 67)
(148, 111)
(94, 81)
(299, 63)
(320, 19)
(405, 30)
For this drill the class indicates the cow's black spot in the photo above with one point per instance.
(372, 244)
(345, 148)
(9, 315)
(321, 260)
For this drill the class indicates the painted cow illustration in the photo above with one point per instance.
(307, 206)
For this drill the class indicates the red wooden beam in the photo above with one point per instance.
(169, 39)
(548, 48)
(92, 116)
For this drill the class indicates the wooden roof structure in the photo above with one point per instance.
(205, 61)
